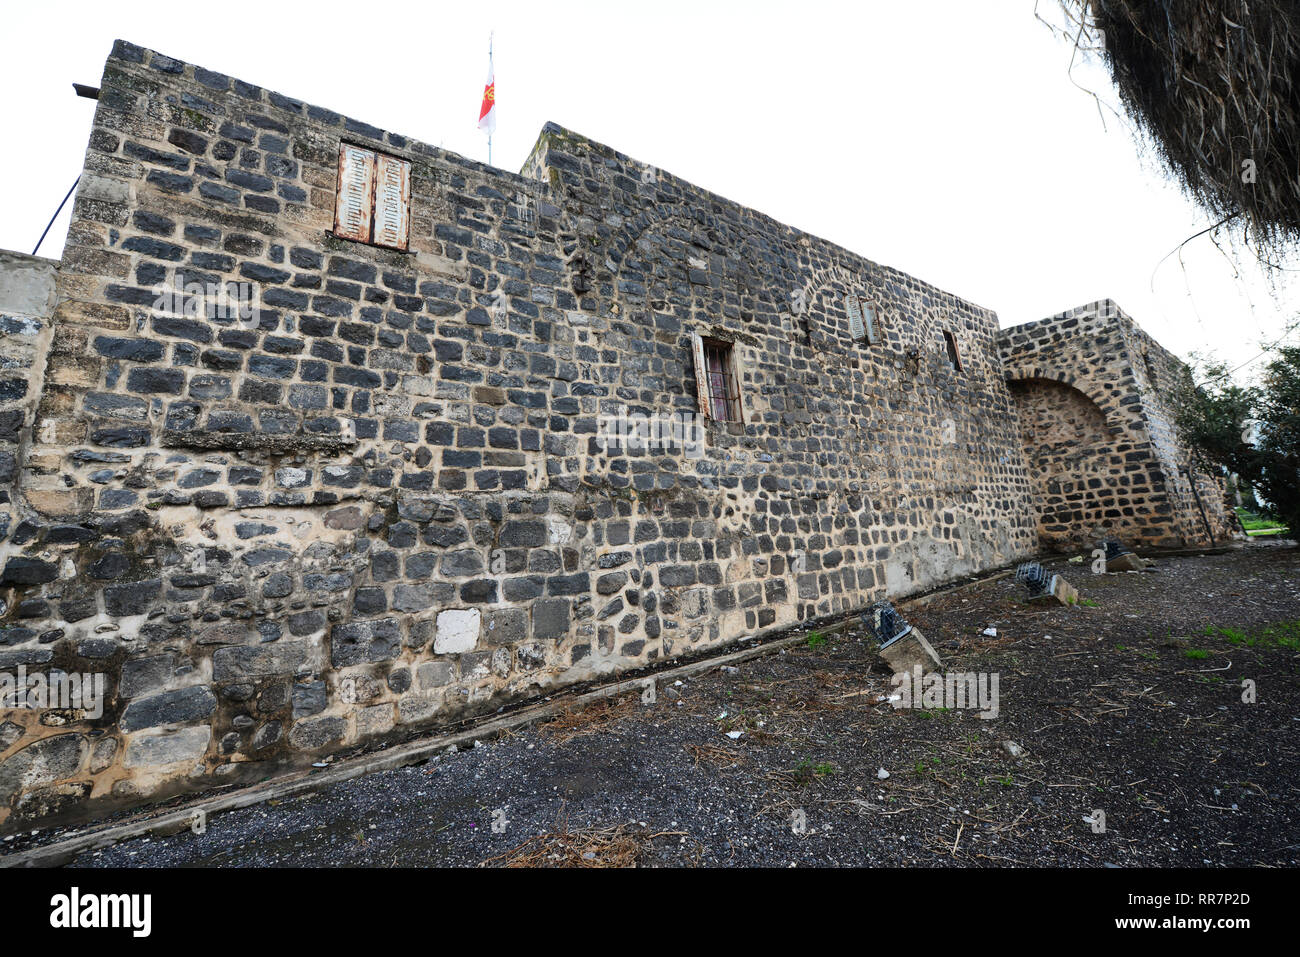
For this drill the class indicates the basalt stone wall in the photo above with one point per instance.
(385, 501)
(1098, 433)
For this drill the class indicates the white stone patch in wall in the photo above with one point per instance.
(418, 384)
(457, 631)
(558, 531)
(391, 406)
(291, 477)
(576, 318)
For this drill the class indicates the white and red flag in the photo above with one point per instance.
(487, 114)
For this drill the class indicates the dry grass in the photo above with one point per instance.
(583, 847)
(617, 846)
(1213, 83)
(713, 755)
(574, 721)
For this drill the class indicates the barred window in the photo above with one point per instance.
(717, 382)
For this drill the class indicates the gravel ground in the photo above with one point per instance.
(1126, 706)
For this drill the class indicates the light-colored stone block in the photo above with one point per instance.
(457, 631)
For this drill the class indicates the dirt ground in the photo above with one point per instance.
(1129, 704)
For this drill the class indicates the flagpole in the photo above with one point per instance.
(492, 73)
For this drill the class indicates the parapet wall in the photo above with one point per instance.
(386, 501)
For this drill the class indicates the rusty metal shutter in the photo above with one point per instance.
(854, 309)
(392, 201)
(355, 200)
(701, 374)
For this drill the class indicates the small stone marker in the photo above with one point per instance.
(1119, 558)
(1044, 587)
(902, 646)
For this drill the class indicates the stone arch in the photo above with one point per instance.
(1058, 417)
(750, 271)
(1069, 448)
(1027, 372)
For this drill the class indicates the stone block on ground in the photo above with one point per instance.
(1059, 592)
(910, 652)
(1128, 562)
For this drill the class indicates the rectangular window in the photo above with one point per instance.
(373, 202)
(954, 357)
(717, 383)
(862, 319)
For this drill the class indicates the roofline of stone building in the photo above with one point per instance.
(552, 129)
(125, 51)
(1089, 310)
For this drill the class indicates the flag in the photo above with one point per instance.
(487, 114)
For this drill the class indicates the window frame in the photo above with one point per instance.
(703, 347)
(953, 350)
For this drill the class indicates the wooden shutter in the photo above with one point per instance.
(737, 371)
(954, 355)
(869, 321)
(701, 375)
(854, 309)
(355, 199)
(392, 201)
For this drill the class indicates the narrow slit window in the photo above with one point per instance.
(717, 382)
(373, 200)
(954, 356)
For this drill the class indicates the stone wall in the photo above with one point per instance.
(1099, 437)
(384, 501)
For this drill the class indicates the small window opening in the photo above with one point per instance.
(954, 356)
(724, 394)
(716, 379)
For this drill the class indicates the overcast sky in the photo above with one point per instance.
(947, 139)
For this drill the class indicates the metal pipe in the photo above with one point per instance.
(55, 216)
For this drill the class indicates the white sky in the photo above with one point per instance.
(942, 138)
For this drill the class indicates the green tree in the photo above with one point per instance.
(1253, 430)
